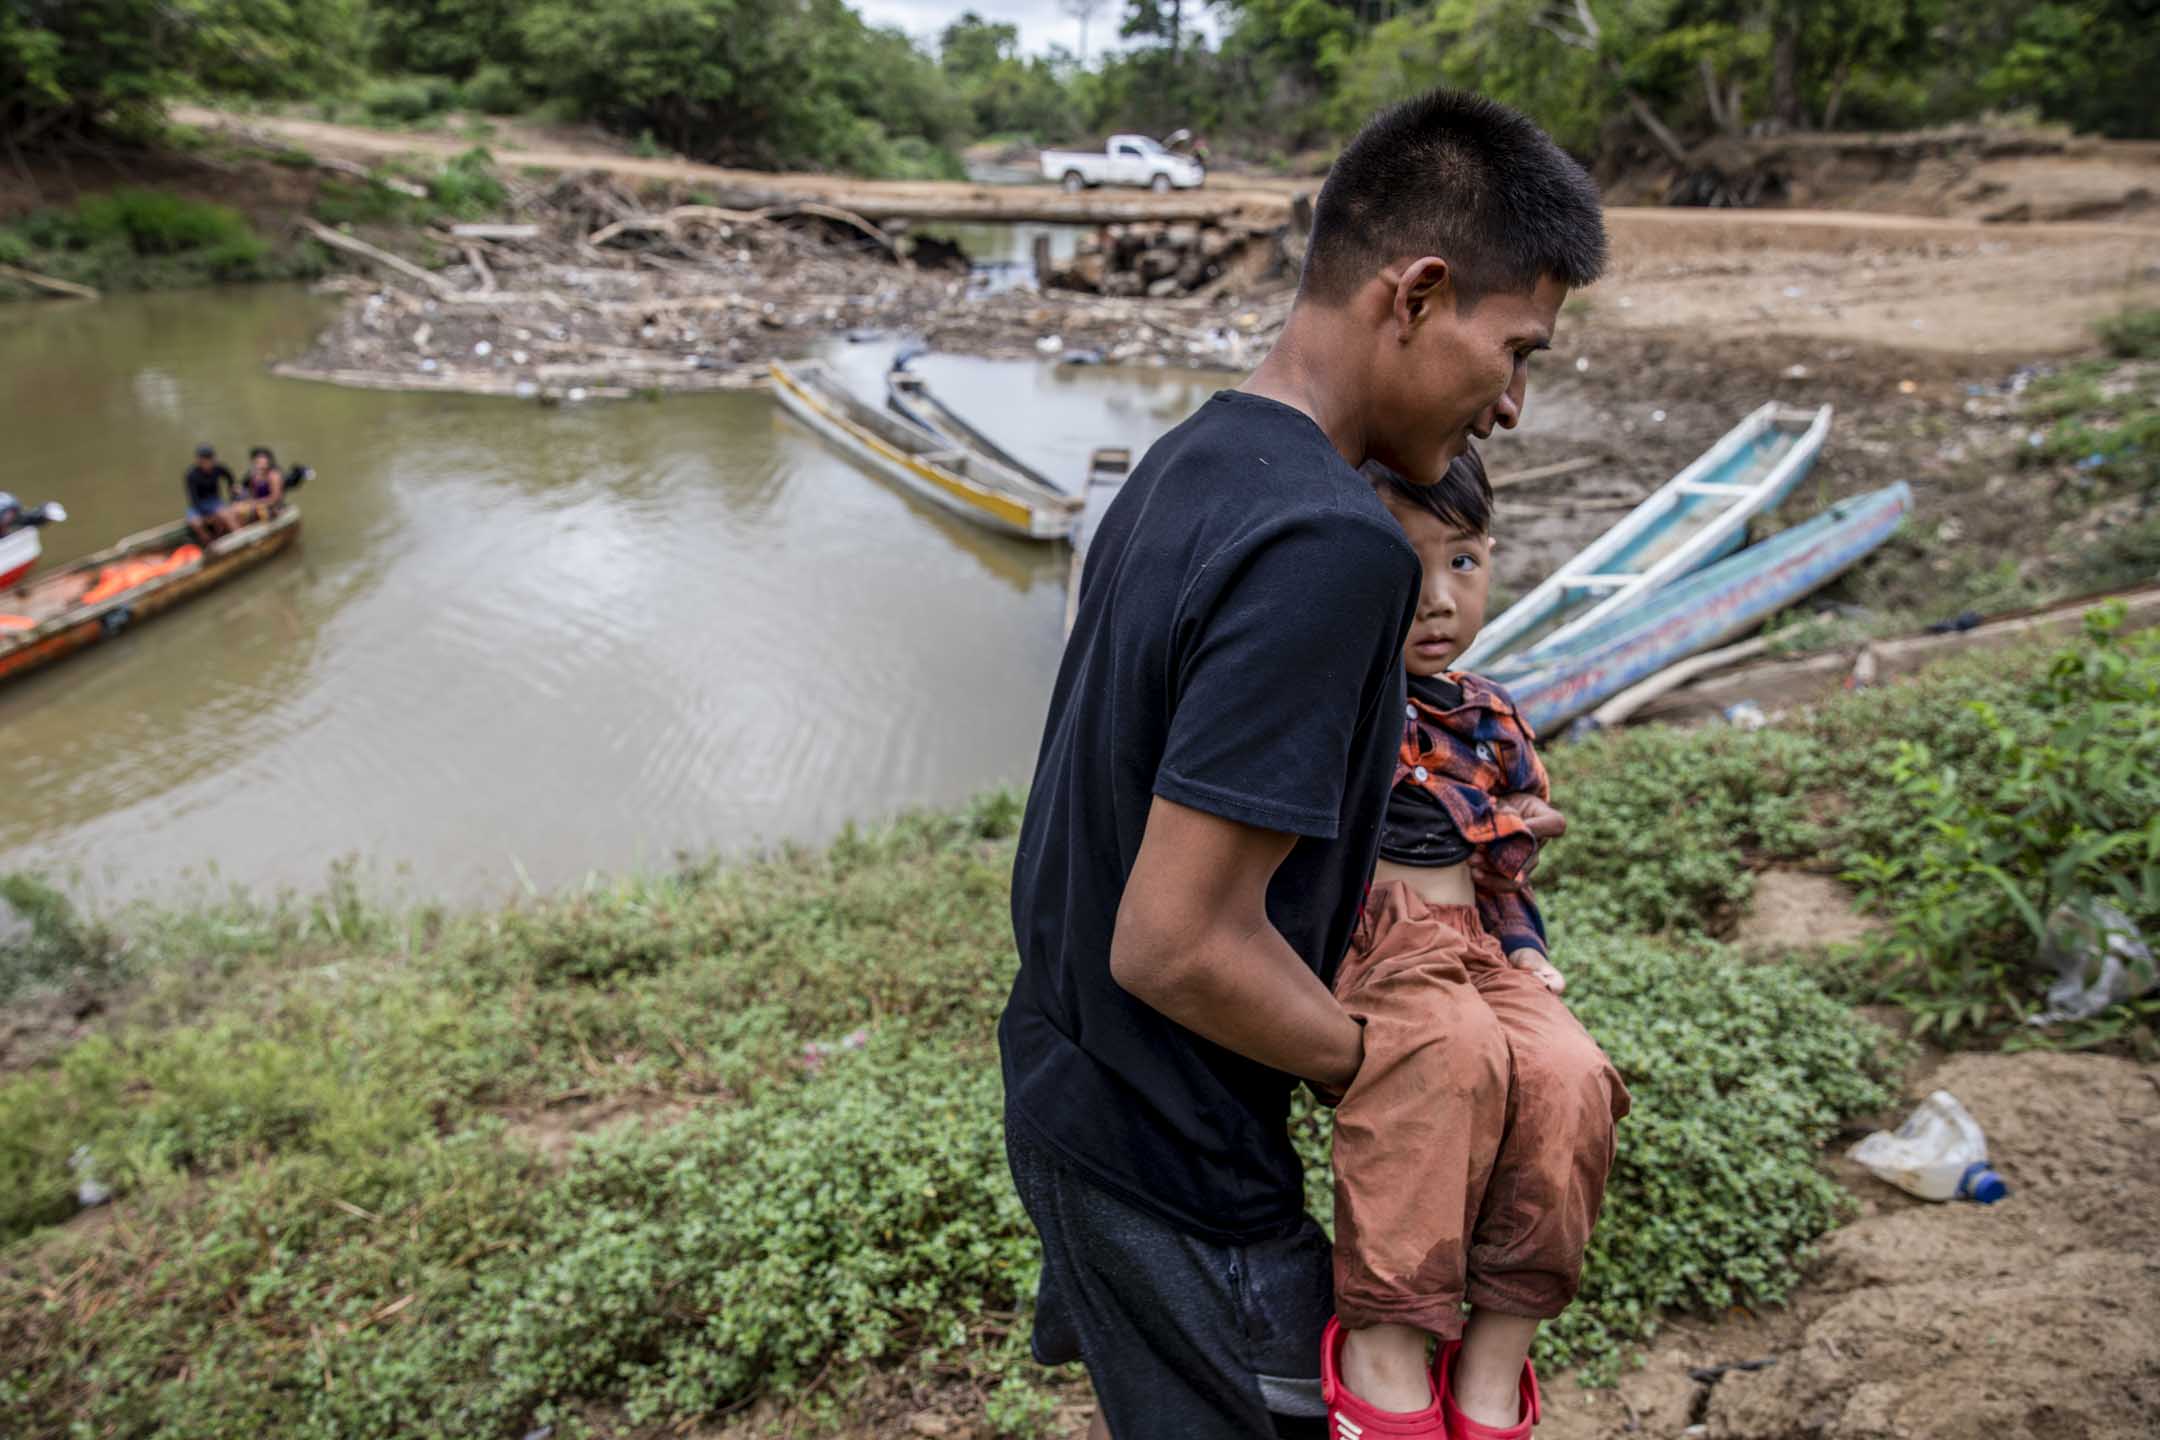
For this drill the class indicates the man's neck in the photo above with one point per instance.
(1310, 371)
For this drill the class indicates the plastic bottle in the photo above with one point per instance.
(1939, 1153)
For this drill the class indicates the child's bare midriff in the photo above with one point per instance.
(1435, 885)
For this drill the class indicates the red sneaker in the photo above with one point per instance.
(1350, 1418)
(1461, 1426)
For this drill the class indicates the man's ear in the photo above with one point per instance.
(1423, 285)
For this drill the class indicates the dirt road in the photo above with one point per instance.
(1957, 287)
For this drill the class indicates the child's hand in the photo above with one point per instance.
(1538, 965)
(1544, 823)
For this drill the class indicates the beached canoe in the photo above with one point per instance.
(910, 397)
(1557, 683)
(118, 588)
(1696, 517)
(1108, 466)
(970, 485)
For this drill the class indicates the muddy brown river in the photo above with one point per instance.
(515, 646)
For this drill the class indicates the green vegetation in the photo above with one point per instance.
(813, 85)
(343, 1136)
(134, 239)
(2058, 801)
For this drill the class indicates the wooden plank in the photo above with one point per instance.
(495, 232)
(47, 282)
(1546, 472)
(1780, 683)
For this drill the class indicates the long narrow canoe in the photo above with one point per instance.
(1557, 683)
(1694, 518)
(1107, 468)
(969, 485)
(61, 622)
(911, 397)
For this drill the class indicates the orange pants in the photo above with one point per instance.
(1471, 1151)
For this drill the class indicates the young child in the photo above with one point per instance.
(1472, 1148)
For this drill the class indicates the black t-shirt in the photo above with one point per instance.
(1237, 650)
(207, 487)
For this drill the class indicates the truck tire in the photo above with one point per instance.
(1074, 182)
(1160, 184)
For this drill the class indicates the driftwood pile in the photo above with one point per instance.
(1160, 261)
(585, 291)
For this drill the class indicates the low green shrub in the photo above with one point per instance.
(467, 187)
(134, 239)
(496, 90)
(49, 943)
(2059, 802)
(2132, 334)
(408, 99)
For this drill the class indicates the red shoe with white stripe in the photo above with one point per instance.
(1461, 1426)
(1350, 1418)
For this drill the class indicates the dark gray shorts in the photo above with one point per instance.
(1183, 1339)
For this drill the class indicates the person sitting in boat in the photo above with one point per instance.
(209, 488)
(258, 496)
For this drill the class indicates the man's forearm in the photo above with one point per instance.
(1251, 994)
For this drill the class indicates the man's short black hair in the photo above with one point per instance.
(1460, 499)
(1462, 177)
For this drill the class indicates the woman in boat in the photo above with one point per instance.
(257, 496)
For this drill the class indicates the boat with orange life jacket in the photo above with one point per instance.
(97, 597)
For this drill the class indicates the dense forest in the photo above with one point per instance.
(810, 83)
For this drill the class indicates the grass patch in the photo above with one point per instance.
(134, 239)
(339, 1224)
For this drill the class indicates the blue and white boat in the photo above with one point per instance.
(1693, 519)
(1559, 681)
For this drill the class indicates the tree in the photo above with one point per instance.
(1162, 20)
(72, 68)
(1082, 11)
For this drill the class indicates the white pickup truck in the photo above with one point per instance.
(1126, 160)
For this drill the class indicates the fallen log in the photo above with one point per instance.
(668, 223)
(337, 240)
(48, 282)
(1777, 684)
(495, 232)
(1547, 472)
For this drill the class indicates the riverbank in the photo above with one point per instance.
(715, 1151)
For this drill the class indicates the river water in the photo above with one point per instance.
(515, 646)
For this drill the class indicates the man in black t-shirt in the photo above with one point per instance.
(209, 487)
(1207, 802)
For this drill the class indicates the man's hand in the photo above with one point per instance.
(1540, 966)
(1545, 823)
(1193, 941)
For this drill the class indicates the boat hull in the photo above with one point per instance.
(19, 550)
(72, 632)
(1703, 610)
(929, 481)
(1694, 519)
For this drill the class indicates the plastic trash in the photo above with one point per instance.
(2099, 959)
(1939, 1153)
(89, 1190)
(1745, 715)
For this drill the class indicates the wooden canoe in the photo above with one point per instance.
(911, 398)
(1108, 466)
(969, 485)
(1555, 684)
(1692, 519)
(62, 624)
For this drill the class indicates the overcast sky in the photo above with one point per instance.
(1041, 23)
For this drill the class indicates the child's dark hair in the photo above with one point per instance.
(1460, 499)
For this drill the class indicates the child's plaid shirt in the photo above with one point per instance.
(1465, 756)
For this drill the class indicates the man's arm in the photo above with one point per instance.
(1193, 941)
